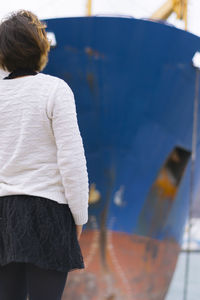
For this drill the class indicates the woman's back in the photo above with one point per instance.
(41, 151)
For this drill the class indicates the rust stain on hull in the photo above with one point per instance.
(110, 175)
(93, 53)
(92, 82)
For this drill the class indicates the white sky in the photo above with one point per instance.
(136, 8)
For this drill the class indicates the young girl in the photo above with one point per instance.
(43, 174)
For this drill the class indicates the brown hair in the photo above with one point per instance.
(23, 42)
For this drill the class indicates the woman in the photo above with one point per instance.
(43, 174)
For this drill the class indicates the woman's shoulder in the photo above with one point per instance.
(55, 81)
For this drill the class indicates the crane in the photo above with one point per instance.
(170, 6)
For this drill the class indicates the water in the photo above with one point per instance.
(176, 288)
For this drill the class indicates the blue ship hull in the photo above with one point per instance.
(134, 86)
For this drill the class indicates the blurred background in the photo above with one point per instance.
(134, 68)
(135, 8)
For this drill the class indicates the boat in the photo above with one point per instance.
(135, 87)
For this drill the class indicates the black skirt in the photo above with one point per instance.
(38, 230)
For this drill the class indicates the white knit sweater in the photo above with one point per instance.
(41, 148)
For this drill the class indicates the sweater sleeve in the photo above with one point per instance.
(70, 152)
